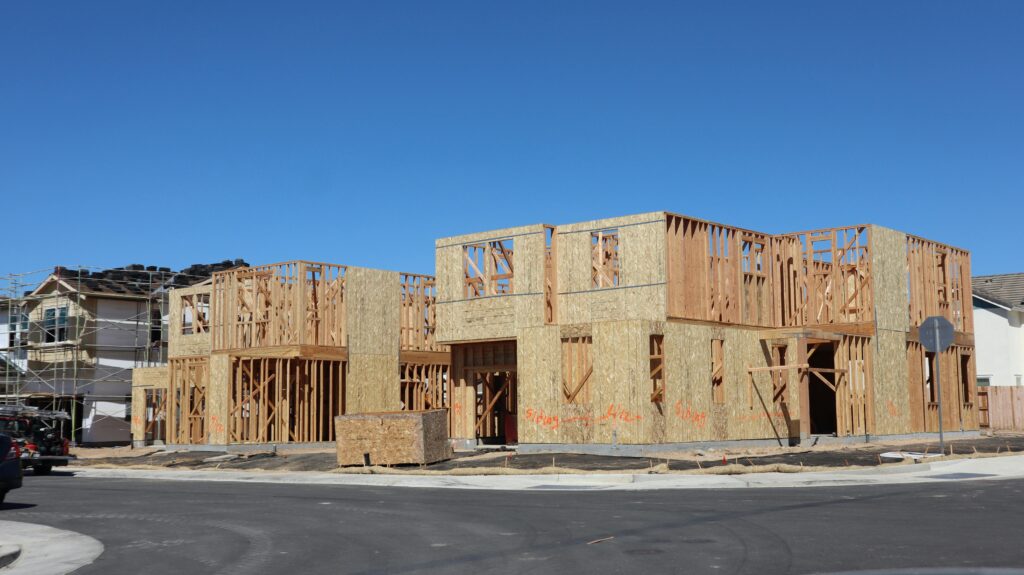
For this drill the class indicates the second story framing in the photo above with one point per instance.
(300, 303)
(662, 266)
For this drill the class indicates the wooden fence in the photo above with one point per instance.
(1001, 408)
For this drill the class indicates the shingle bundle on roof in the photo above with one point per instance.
(137, 279)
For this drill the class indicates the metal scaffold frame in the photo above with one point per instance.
(55, 359)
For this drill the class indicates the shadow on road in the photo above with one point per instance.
(12, 506)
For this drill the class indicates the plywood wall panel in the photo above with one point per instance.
(688, 382)
(889, 278)
(543, 417)
(372, 383)
(890, 389)
(218, 398)
(145, 378)
(461, 319)
(179, 344)
(373, 311)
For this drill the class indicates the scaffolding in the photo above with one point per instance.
(76, 333)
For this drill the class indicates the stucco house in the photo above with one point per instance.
(999, 329)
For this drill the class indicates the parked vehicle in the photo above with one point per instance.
(41, 445)
(10, 466)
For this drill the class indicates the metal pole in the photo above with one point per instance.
(938, 387)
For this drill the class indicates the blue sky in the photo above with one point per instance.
(358, 132)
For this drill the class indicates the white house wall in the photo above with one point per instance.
(999, 344)
(104, 422)
(121, 333)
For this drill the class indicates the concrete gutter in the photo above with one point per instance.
(1009, 467)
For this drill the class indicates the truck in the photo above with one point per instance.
(41, 444)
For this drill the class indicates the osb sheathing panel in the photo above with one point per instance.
(179, 344)
(748, 411)
(449, 256)
(890, 385)
(621, 388)
(641, 292)
(150, 377)
(491, 317)
(889, 278)
(612, 304)
(373, 311)
(688, 382)
(144, 378)
(217, 398)
(617, 222)
(373, 317)
(541, 410)
(620, 407)
(372, 383)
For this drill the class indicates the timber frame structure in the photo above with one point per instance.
(662, 328)
(271, 354)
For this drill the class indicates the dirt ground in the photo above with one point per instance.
(496, 461)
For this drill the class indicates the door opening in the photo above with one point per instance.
(821, 390)
(496, 413)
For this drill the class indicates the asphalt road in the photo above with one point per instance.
(175, 527)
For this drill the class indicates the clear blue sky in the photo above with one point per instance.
(168, 133)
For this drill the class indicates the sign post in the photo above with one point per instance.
(936, 336)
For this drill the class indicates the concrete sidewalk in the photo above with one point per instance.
(37, 549)
(962, 469)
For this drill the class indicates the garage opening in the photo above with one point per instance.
(822, 389)
(496, 398)
(485, 392)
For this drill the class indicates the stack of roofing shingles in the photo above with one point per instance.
(137, 279)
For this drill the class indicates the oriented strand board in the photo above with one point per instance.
(688, 382)
(620, 387)
(373, 343)
(372, 383)
(373, 308)
(490, 317)
(542, 418)
(620, 408)
(178, 343)
(613, 304)
(218, 398)
(889, 278)
(392, 438)
(890, 383)
(144, 378)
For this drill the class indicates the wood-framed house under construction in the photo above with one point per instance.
(271, 354)
(660, 328)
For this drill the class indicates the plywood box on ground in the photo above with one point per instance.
(393, 438)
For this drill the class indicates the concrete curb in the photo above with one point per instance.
(962, 469)
(43, 549)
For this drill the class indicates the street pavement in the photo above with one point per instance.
(195, 527)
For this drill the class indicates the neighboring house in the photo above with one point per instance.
(999, 334)
(72, 342)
